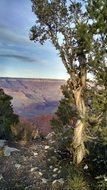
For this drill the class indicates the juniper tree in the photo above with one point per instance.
(99, 61)
(7, 116)
(77, 30)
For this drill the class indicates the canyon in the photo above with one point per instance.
(35, 100)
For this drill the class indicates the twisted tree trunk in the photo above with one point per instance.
(80, 128)
(79, 131)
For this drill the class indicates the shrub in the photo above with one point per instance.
(25, 131)
(101, 183)
(7, 116)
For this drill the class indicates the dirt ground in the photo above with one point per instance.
(32, 167)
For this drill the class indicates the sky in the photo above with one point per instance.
(20, 57)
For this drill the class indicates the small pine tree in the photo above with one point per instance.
(7, 116)
(64, 119)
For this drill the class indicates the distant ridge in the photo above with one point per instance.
(33, 96)
(22, 78)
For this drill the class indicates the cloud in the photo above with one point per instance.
(17, 46)
(19, 57)
(9, 36)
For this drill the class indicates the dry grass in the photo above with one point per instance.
(25, 131)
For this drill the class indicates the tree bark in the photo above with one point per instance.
(79, 131)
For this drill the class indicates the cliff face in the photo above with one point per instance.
(33, 97)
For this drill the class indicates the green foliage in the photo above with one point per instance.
(66, 110)
(7, 116)
(98, 128)
(82, 31)
(82, 27)
(76, 182)
(101, 183)
(76, 179)
(64, 118)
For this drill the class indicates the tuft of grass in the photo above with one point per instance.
(76, 179)
(77, 182)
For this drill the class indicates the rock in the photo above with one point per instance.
(17, 166)
(46, 147)
(40, 173)
(52, 142)
(50, 167)
(55, 169)
(5, 150)
(44, 180)
(25, 159)
(61, 181)
(54, 175)
(2, 143)
(58, 183)
(54, 182)
(35, 154)
(50, 135)
(1, 177)
(8, 150)
(33, 169)
(86, 167)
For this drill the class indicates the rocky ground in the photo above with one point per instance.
(31, 166)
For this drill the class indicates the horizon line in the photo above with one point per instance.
(32, 78)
